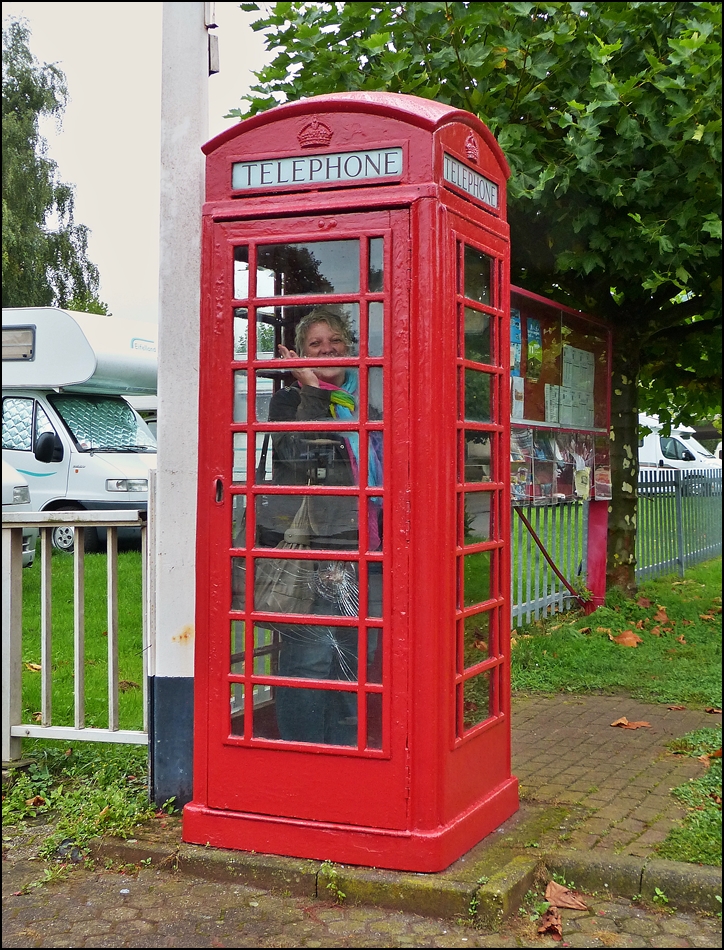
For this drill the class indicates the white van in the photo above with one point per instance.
(16, 498)
(66, 425)
(677, 450)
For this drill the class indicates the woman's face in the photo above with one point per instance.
(325, 342)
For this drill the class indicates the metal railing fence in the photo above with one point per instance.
(679, 520)
(13, 729)
(536, 591)
(679, 524)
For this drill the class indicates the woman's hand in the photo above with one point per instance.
(304, 376)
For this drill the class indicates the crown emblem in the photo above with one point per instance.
(315, 134)
(471, 148)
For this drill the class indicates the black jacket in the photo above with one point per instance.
(303, 458)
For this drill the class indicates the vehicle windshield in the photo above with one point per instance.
(103, 423)
(695, 446)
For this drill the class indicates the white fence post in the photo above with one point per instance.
(12, 640)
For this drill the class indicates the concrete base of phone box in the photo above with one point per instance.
(422, 851)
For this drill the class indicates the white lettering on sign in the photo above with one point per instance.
(471, 182)
(317, 169)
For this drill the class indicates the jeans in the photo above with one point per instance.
(327, 716)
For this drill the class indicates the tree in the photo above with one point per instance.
(44, 252)
(610, 117)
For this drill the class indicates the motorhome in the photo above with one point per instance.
(16, 499)
(678, 450)
(67, 425)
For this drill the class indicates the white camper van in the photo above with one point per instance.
(66, 425)
(677, 450)
(16, 498)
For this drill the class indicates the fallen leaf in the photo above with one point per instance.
(603, 629)
(643, 602)
(626, 639)
(104, 811)
(717, 798)
(680, 640)
(623, 723)
(676, 707)
(688, 623)
(33, 667)
(661, 614)
(715, 755)
(656, 631)
(37, 717)
(478, 644)
(560, 896)
(35, 801)
(125, 685)
(706, 617)
(713, 709)
(639, 624)
(584, 630)
(551, 924)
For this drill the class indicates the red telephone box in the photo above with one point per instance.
(367, 721)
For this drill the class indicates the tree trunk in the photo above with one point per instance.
(621, 557)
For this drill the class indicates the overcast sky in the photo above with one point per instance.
(108, 146)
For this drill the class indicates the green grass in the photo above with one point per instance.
(698, 839)
(574, 653)
(130, 661)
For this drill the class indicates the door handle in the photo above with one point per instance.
(219, 490)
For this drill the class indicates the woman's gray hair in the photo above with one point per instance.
(335, 320)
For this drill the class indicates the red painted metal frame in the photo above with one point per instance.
(433, 790)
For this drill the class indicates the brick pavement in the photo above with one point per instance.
(566, 751)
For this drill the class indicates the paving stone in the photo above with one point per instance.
(697, 940)
(594, 924)
(666, 940)
(584, 940)
(640, 926)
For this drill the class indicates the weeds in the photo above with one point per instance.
(329, 870)
(659, 897)
(698, 839)
(88, 789)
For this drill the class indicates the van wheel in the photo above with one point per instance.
(63, 537)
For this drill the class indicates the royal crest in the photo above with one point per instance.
(471, 148)
(315, 134)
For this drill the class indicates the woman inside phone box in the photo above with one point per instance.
(322, 651)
